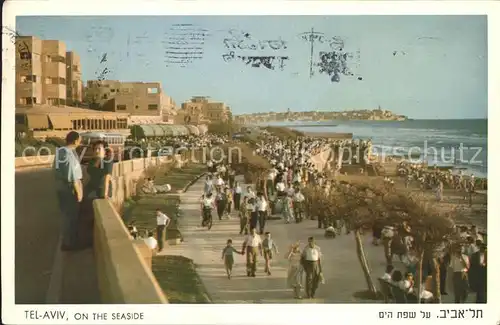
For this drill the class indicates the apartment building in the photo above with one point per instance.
(146, 102)
(42, 73)
(200, 109)
(29, 85)
(74, 85)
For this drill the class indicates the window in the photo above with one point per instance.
(105, 96)
(25, 55)
(53, 101)
(31, 78)
(152, 107)
(55, 81)
(112, 90)
(153, 90)
(136, 106)
(28, 100)
(121, 107)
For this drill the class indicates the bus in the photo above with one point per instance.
(115, 141)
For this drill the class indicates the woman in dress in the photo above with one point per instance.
(288, 209)
(295, 271)
(229, 201)
(99, 186)
(439, 191)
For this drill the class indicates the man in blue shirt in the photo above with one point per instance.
(68, 176)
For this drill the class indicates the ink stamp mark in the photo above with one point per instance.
(22, 48)
(335, 61)
(241, 40)
(184, 44)
(251, 50)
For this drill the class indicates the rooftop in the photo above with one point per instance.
(48, 109)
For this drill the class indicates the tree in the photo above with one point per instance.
(431, 228)
(359, 205)
(253, 167)
(363, 203)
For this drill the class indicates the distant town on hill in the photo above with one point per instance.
(369, 115)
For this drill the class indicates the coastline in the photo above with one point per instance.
(330, 135)
(433, 141)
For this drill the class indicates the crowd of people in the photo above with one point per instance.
(437, 180)
(464, 260)
(282, 193)
(163, 146)
(291, 168)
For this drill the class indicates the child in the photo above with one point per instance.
(227, 256)
(269, 247)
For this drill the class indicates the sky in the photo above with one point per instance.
(425, 67)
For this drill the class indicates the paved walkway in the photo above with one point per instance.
(342, 270)
(44, 274)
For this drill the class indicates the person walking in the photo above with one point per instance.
(220, 202)
(311, 262)
(229, 201)
(251, 246)
(269, 247)
(237, 196)
(209, 185)
(298, 205)
(439, 191)
(69, 189)
(460, 266)
(478, 273)
(295, 270)
(162, 222)
(244, 214)
(253, 212)
(262, 207)
(231, 177)
(288, 209)
(228, 257)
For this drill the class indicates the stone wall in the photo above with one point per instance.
(123, 272)
(128, 172)
(123, 265)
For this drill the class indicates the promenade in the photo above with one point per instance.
(43, 273)
(342, 271)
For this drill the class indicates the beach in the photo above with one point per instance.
(452, 199)
(459, 143)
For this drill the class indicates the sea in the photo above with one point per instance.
(462, 144)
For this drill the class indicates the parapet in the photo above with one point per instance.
(124, 276)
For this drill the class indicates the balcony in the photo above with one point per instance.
(54, 69)
(27, 89)
(55, 90)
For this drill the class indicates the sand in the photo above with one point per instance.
(452, 199)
